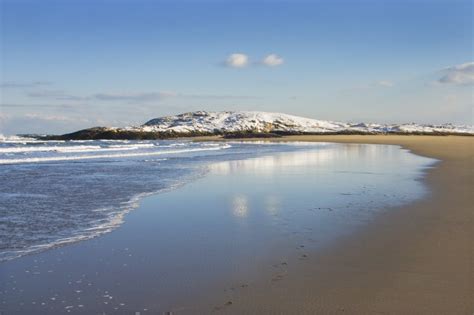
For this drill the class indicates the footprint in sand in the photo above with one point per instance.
(303, 257)
(282, 264)
(278, 277)
(218, 308)
(241, 286)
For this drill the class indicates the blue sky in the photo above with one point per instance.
(74, 64)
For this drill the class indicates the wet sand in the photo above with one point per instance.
(416, 259)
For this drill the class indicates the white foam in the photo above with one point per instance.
(135, 145)
(15, 139)
(102, 156)
(76, 148)
(49, 148)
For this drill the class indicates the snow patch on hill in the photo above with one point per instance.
(254, 121)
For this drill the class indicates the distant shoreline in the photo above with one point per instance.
(102, 133)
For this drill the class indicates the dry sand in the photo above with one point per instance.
(417, 259)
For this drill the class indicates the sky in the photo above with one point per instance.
(67, 65)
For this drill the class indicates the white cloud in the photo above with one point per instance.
(237, 60)
(240, 60)
(56, 94)
(142, 97)
(385, 83)
(462, 74)
(54, 117)
(272, 60)
(132, 97)
(15, 84)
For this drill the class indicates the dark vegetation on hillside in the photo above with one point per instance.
(103, 133)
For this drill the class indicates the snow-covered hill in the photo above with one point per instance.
(248, 124)
(253, 121)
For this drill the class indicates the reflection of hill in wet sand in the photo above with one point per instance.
(324, 154)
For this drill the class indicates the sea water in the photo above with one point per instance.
(56, 192)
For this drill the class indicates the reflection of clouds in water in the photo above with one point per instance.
(272, 204)
(240, 206)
